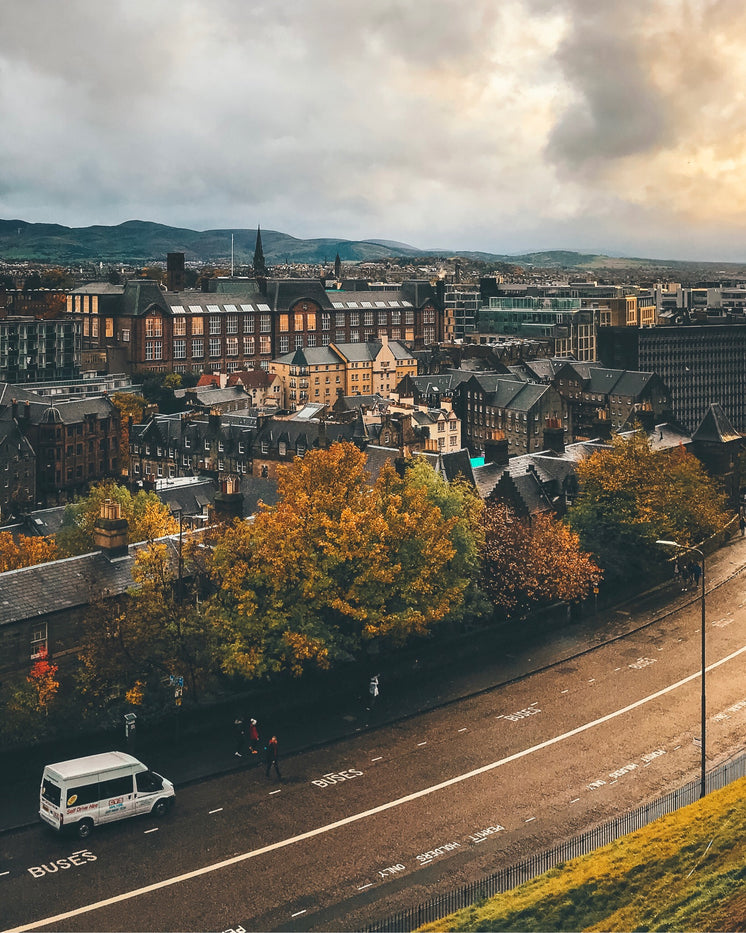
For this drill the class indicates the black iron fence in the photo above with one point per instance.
(515, 875)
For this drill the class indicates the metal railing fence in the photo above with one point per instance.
(507, 878)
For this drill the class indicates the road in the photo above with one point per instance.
(381, 821)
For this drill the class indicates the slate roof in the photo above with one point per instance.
(281, 293)
(716, 427)
(371, 349)
(443, 383)
(140, 295)
(310, 356)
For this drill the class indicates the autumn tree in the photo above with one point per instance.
(632, 495)
(337, 562)
(43, 680)
(533, 561)
(130, 406)
(24, 551)
(131, 646)
(147, 516)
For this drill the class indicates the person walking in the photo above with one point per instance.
(253, 737)
(270, 757)
(373, 691)
(240, 734)
(695, 571)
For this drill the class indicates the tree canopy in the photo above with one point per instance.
(337, 562)
(532, 561)
(147, 516)
(631, 495)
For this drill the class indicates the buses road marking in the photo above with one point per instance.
(374, 811)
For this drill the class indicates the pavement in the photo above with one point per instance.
(436, 677)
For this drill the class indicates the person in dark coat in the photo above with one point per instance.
(240, 733)
(270, 757)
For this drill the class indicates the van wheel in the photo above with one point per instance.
(84, 829)
(160, 808)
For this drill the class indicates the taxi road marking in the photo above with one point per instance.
(374, 811)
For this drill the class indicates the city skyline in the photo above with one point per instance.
(533, 125)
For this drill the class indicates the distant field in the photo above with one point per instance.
(686, 871)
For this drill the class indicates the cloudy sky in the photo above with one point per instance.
(497, 125)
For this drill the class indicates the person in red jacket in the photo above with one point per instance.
(253, 737)
(270, 757)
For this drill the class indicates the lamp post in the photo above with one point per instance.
(703, 715)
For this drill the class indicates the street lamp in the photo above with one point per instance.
(684, 547)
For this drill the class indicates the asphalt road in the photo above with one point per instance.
(385, 819)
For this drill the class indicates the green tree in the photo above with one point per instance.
(533, 561)
(147, 516)
(336, 563)
(631, 495)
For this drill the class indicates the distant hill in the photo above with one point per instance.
(142, 242)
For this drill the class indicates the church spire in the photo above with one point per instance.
(260, 267)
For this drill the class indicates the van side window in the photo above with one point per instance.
(116, 787)
(79, 796)
(147, 782)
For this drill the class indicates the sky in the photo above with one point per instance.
(495, 125)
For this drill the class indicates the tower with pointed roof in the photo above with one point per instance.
(259, 265)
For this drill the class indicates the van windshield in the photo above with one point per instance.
(50, 792)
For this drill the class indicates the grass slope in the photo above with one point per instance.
(686, 871)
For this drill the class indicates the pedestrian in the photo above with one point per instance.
(373, 691)
(742, 520)
(240, 734)
(686, 575)
(696, 572)
(253, 737)
(270, 757)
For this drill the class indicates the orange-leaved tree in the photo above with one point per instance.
(533, 561)
(43, 679)
(25, 550)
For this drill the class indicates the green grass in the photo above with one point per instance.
(686, 871)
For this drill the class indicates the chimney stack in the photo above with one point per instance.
(111, 531)
(175, 280)
(496, 448)
(228, 503)
(554, 435)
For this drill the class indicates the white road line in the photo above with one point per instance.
(2, 873)
(565, 691)
(278, 791)
(420, 744)
(368, 885)
(576, 800)
(530, 819)
(380, 758)
(374, 811)
(617, 669)
(463, 730)
(154, 830)
(219, 810)
(299, 913)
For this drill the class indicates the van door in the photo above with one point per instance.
(149, 788)
(116, 798)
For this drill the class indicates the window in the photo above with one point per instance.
(326, 321)
(231, 324)
(368, 318)
(355, 319)
(311, 320)
(265, 324)
(339, 319)
(248, 323)
(214, 324)
(284, 344)
(282, 448)
(179, 327)
(340, 336)
(198, 326)
(265, 345)
(38, 639)
(125, 335)
(198, 347)
(383, 317)
(298, 321)
(409, 317)
(153, 327)
(231, 346)
(109, 324)
(298, 341)
(284, 323)
(179, 349)
(249, 346)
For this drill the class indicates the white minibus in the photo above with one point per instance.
(83, 792)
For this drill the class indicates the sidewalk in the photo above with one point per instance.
(195, 757)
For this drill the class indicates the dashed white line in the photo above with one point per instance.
(299, 913)
(463, 730)
(278, 791)
(420, 744)
(4, 873)
(219, 810)
(565, 691)
(617, 669)
(368, 885)
(380, 758)
(576, 800)
(154, 830)
(677, 747)
(530, 819)
(365, 814)
(592, 680)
